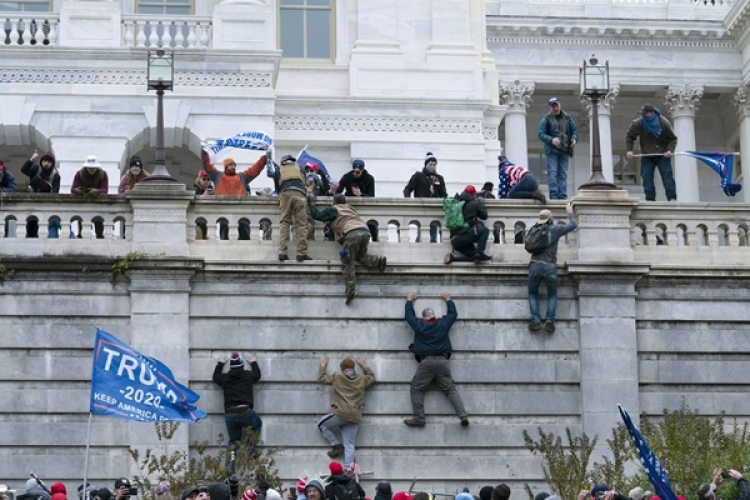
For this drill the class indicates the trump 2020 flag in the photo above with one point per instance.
(722, 164)
(304, 159)
(127, 384)
(253, 140)
(656, 473)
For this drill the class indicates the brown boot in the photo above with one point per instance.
(336, 451)
(538, 195)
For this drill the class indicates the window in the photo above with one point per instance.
(162, 7)
(537, 165)
(26, 6)
(626, 172)
(305, 28)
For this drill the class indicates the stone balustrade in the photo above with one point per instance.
(402, 227)
(191, 32)
(30, 28)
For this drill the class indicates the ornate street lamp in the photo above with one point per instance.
(160, 78)
(595, 84)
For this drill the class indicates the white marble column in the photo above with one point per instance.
(683, 102)
(517, 97)
(742, 106)
(605, 129)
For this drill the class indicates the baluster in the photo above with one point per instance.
(691, 237)
(15, 36)
(20, 230)
(166, 34)
(85, 230)
(38, 36)
(382, 231)
(671, 237)
(713, 239)
(204, 38)
(109, 230)
(2, 228)
(26, 33)
(127, 35)
(403, 233)
(179, 36)
(153, 37)
(52, 35)
(734, 237)
(234, 231)
(140, 37)
(64, 229)
(211, 231)
(191, 38)
(128, 230)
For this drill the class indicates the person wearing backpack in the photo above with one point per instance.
(341, 486)
(541, 242)
(470, 238)
(346, 411)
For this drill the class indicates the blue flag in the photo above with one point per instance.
(656, 473)
(252, 140)
(126, 384)
(723, 164)
(304, 159)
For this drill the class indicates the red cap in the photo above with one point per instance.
(471, 190)
(336, 468)
(301, 485)
(402, 495)
(203, 173)
(2, 165)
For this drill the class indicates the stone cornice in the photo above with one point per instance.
(134, 77)
(358, 124)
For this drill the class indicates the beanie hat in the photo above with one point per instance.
(402, 495)
(315, 484)
(637, 493)
(347, 363)
(301, 485)
(429, 157)
(384, 488)
(336, 468)
(273, 495)
(599, 487)
(136, 160)
(235, 361)
(501, 492)
(486, 493)
(471, 190)
(488, 186)
(228, 161)
(58, 488)
(542, 495)
(89, 487)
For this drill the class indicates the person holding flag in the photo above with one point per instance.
(657, 140)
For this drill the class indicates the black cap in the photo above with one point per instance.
(189, 491)
(136, 160)
(646, 108)
(102, 493)
(359, 164)
(384, 488)
(123, 481)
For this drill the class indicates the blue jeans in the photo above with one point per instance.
(537, 273)
(524, 188)
(648, 165)
(236, 424)
(557, 174)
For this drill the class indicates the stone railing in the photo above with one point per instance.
(661, 233)
(193, 32)
(30, 28)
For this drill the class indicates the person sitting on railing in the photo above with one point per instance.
(91, 180)
(44, 177)
(517, 182)
(133, 176)
(7, 180)
(470, 241)
(354, 236)
(202, 187)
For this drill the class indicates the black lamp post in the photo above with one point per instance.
(160, 78)
(595, 84)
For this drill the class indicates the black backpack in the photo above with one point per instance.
(538, 238)
(347, 491)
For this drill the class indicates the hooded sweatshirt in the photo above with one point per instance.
(348, 393)
(42, 180)
(237, 384)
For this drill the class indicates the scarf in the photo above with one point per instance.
(651, 123)
(350, 373)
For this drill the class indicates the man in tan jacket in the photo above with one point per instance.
(353, 234)
(346, 410)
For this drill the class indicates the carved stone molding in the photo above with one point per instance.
(350, 124)
(106, 77)
(683, 100)
(490, 133)
(516, 95)
(741, 101)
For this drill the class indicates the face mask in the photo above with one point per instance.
(135, 172)
(350, 373)
(431, 168)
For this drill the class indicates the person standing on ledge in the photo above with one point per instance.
(559, 133)
(658, 141)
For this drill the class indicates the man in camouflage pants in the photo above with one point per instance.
(353, 234)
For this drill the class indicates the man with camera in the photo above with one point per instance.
(559, 133)
(707, 491)
(123, 490)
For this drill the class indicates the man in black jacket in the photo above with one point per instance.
(432, 348)
(356, 182)
(238, 396)
(344, 483)
(427, 183)
(470, 242)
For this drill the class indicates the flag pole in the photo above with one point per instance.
(645, 155)
(86, 459)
